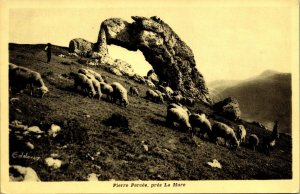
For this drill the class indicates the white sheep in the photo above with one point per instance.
(180, 116)
(200, 121)
(222, 130)
(20, 77)
(107, 90)
(90, 71)
(97, 75)
(169, 90)
(85, 84)
(149, 83)
(96, 84)
(133, 91)
(253, 141)
(177, 99)
(153, 96)
(83, 71)
(174, 105)
(119, 93)
(241, 133)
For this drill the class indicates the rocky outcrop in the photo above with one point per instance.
(172, 60)
(228, 107)
(79, 45)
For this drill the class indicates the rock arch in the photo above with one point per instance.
(172, 60)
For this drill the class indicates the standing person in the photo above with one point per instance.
(48, 50)
(275, 133)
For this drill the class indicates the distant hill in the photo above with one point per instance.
(263, 98)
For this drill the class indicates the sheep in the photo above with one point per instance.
(89, 71)
(119, 93)
(133, 91)
(187, 101)
(222, 130)
(174, 105)
(96, 84)
(149, 83)
(241, 133)
(153, 96)
(85, 83)
(253, 141)
(169, 90)
(62, 56)
(178, 115)
(200, 121)
(20, 77)
(83, 71)
(178, 98)
(97, 75)
(107, 90)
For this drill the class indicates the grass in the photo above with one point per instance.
(90, 144)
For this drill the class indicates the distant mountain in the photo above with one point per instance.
(263, 98)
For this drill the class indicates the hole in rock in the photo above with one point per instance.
(135, 58)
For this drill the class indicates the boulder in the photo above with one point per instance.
(228, 107)
(172, 60)
(79, 45)
(20, 173)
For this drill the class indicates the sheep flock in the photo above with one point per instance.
(90, 83)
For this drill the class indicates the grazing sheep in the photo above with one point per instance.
(89, 71)
(119, 93)
(83, 71)
(97, 75)
(241, 133)
(178, 98)
(253, 141)
(96, 84)
(85, 84)
(180, 116)
(174, 105)
(169, 90)
(133, 91)
(222, 130)
(20, 77)
(149, 83)
(154, 97)
(187, 101)
(200, 121)
(107, 90)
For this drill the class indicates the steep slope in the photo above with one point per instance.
(148, 150)
(264, 98)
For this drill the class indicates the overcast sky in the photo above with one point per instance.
(229, 40)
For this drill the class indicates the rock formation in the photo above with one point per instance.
(79, 45)
(228, 107)
(172, 60)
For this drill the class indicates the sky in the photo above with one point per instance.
(229, 40)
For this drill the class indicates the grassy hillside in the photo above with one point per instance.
(264, 98)
(146, 150)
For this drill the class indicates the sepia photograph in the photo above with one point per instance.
(149, 96)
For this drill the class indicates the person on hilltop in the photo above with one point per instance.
(48, 50)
